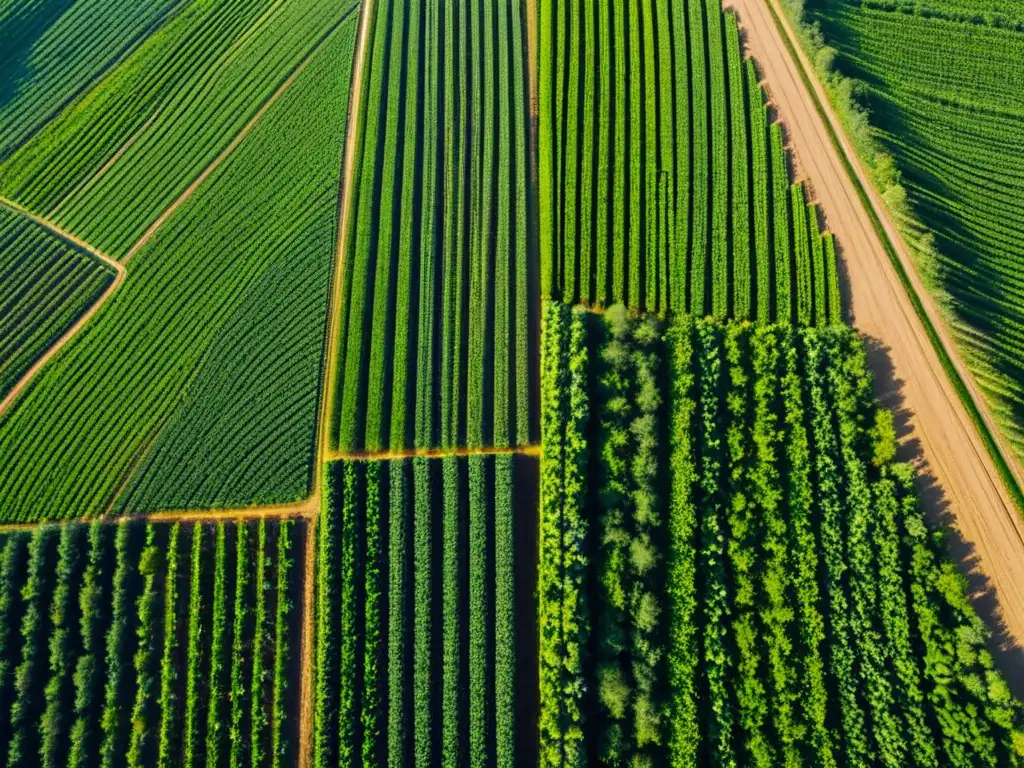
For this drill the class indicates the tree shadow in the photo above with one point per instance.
(18, 38)
(1007, 652)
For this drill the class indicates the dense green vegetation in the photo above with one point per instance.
(198, 383)
(53, 51)
(655, 169)
(45, 286)
(746, 535)
(420, 577)
(107, 166)
(153, 696)
(435, 333)
(933, 96)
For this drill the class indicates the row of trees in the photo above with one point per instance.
(110, 657)
(811, 615)
(417, 611)
(434, 335)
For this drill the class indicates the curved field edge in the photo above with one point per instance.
(80, 487)
(1006, 473)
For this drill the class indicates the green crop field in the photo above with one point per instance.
(435, 344)
(211, 354)
(423, 593)
(160, 644)
(743, 534)
(944, 91)
(45, 286)
(664, 185)
(470, 382)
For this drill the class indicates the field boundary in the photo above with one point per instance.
(434, 453)
(51, 351)
(955, 369)
(239, 137)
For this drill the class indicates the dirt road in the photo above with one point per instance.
(329, 385)
(965, 487)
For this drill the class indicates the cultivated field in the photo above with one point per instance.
(435, 335)
(503, 382)
(733, 565)
(149, 644)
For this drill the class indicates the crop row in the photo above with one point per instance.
(109, 164)
(755, 545)
(45, 286)
(76, 46)
(420, 612)
(140, 643)
(678, 139)
(435, 330)
(198, 383)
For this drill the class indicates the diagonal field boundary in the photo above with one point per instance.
(59, 344)
(235, 142)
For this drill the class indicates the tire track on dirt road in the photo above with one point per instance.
(968, 490)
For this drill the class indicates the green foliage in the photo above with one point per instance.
(170, 741)
(213, 346)
(804, 588)
(658, 185)
(406, 678)
(434, 342)
(45, 286)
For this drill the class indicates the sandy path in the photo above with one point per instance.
(327, 397)
(433, 453)
(298, 510)
(966, 489)
(69, 334)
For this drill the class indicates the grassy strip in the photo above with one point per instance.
(1008, 478)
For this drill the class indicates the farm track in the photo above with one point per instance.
(434, 453)
(965, 488)
(329, 386)
(57, 346)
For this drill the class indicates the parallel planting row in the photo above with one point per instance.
(149, 645)
(663, 186)
(110, 163)
(944, 94)
(435, 334)
(45, 286)
(734, 569)
(53, 51)
(424, 628)
(198, 383)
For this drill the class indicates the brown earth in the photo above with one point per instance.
(958, 479)
(432, 453)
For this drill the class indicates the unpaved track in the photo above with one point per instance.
(69, 334)
(433, 453)
(970, 493)
(330, 386)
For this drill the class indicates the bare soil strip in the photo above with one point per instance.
(434, 453)
(305, 509)
(964, 488)
(330, 385)
(70, 333)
